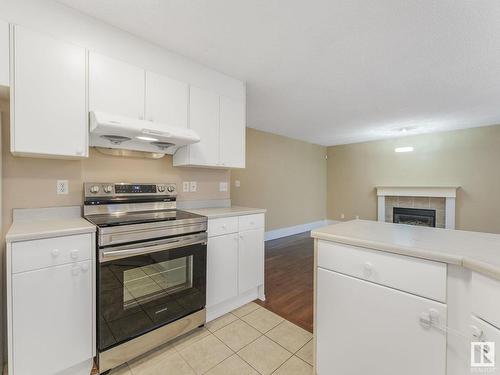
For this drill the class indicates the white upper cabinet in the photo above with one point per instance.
(115, 87)
(204, 120)
(232, 132)
(4, 53)
(166, 100)
(49, 102)
(220, 123)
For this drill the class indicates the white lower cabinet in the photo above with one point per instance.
(251, 259)
(51, 310)
(365, 328)
(235, 263)
(222, 268)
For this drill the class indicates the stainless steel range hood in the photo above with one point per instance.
(117, 132)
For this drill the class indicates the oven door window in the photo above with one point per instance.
(140, 293)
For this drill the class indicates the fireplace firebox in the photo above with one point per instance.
(414, 216)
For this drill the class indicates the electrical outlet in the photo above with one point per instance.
(237, 183)
(193, 186)
(222, 186)
(185, 187)
(62, 187)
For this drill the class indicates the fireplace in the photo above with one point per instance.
(414, 216)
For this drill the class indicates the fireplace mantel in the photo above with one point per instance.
(447, 192)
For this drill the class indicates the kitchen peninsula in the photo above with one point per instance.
(394, 299)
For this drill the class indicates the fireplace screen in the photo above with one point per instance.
(414, 216)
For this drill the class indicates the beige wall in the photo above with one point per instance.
(467, 158)
(283, 175)
(30, 182)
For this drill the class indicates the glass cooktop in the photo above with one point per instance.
(141, 217)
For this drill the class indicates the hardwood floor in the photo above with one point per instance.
(289, 278)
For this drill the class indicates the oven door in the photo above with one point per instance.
(147, 285)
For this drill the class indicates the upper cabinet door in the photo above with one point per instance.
(204, 119)
(49, 115)
(115, 87)
(4, 53)
(232, 132)
(166, 100)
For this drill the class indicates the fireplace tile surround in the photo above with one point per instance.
(433, 203)
(440, 198)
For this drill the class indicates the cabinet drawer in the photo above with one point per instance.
(417, 276)
(486, 298)
(36, 254)
(218, 227)
(249, 222)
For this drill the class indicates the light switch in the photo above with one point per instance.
(193, 186)
(222, 186)
(237, 183)
(185, 187)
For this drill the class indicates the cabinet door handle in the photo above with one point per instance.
(368, 267)
(429, 318)
(74, 254)
(477, 333)
(55, 253)
(85, 267)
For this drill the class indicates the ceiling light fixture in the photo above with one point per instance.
(147, 139)
(404, 149)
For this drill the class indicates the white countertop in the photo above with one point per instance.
(218, 212)
(475, 250)
(32, 224)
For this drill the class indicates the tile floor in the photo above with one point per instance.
(250, 340)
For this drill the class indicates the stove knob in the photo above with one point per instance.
(161, 188)
(171, 188)
(108, 189)
(94, 189)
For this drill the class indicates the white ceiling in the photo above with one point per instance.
(336, 71)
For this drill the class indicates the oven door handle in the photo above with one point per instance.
(107, 255)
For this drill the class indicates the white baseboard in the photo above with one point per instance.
(283, 232)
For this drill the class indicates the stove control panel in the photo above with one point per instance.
(101, 189)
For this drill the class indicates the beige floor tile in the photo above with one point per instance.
(264, 355)
(306, 352)
(160, 363)
(190, 338)
(220, 322)
(205, 354)
(122, 370)
(237, 334)
(289, 336)
(262, 319)
(245, 309)
(233, 365)
(294, 366)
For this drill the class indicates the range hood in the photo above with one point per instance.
(117, 132)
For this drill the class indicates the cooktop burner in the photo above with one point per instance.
(127, 218)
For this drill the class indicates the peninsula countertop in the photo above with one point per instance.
(477, 251)
(219, 212)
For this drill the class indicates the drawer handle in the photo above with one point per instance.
(368, 268)
(74, 254)
(55, 252)
(429, 319)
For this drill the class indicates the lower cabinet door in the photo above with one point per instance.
(222, 268)
(251, 259)
(364, 328)
(52, 319)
